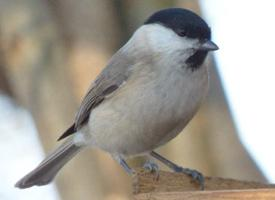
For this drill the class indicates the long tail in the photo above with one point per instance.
(48, 168)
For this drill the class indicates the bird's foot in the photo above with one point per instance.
(152, 167)
(196, 175)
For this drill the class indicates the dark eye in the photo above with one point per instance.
(181, 33)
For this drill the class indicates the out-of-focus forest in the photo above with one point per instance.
(51, 50)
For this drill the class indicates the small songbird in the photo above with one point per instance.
(145, 96)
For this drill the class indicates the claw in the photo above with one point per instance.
(196, 176)
(152, 167)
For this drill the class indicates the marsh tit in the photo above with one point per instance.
(143, 98)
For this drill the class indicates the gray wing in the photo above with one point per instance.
(108, 81)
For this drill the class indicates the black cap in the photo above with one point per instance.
(183, 22)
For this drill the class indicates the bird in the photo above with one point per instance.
(144, 97)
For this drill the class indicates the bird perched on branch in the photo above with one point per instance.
(145, 96)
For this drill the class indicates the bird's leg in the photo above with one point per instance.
(124, 164)
(197, 176)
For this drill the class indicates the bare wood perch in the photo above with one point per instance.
(176, 186)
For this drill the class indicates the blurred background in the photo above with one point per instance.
(51, 50)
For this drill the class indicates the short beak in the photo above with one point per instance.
(208, 45)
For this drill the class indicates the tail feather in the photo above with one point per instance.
(48, 168)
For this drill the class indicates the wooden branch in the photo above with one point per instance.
(176, 186)
(262, 194)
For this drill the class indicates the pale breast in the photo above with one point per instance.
(149, 110)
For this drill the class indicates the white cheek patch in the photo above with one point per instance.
(190, 43)
(161, 39)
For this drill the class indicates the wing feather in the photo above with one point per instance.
(108, 81)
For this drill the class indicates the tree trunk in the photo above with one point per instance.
(38, 71)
